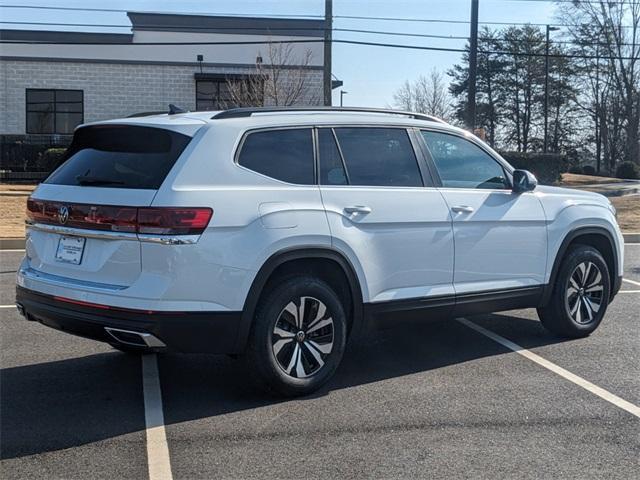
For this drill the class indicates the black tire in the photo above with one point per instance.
(572, 314)
(269, 354)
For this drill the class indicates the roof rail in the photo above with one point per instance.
(247, 112)
(145, 114)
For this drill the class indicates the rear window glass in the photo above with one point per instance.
(285, 155)
(120, 156)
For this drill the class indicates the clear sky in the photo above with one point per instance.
(370, 74)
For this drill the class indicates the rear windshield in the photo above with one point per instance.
(119, 156)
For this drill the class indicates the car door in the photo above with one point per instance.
(500, 236)
(390, 222)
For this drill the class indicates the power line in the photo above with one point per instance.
(342, 41)
(310, 29)
(168, 28)
(309, 16)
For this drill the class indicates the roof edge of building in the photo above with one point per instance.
(16, 35)
(277, 26)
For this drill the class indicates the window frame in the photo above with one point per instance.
(314, 149)
(508, 169)
(428, 173)
(55, 110)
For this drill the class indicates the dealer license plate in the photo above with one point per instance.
(70, 250)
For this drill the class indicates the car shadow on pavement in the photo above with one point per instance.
(57, 405)
(207, 386)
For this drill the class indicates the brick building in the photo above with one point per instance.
(54, 81)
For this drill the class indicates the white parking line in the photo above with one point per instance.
(7, 306)
(632, 282)
(596, 390)
(9, 250)
(157, 448)
(628, 291)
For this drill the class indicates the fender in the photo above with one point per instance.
(572, 235)
(297, 253)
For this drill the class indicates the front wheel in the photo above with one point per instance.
(580, 295)
(298, 337)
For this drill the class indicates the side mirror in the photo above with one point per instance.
(524, 181)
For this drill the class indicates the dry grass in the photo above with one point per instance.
(12, 208)
(628, 212)
(574, 179)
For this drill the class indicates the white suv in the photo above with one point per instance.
(281, 233)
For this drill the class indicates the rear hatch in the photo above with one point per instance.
(85, 216)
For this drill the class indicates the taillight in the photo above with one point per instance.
(147, 220)
(173, 221)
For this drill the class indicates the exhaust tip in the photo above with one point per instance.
(137, 339)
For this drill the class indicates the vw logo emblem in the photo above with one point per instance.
(63, 214)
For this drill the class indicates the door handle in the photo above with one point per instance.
(462, 209)
(357, 209)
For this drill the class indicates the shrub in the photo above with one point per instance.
(576, 169)
(547, 167)
(50, 159)
(588, 170)
(628, 170)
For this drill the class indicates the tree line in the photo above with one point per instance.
(593, 85)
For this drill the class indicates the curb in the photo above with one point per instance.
(12, 243)
(18, 243)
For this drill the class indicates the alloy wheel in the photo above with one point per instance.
(584, 292)
(302, 337)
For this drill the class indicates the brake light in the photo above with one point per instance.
(144, 220)
(173, 221)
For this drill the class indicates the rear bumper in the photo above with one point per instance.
(188, 332)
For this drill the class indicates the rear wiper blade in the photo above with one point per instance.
(89, 180)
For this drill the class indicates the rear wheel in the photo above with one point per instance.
(298, 337)
(580, 296)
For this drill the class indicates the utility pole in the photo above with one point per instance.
(597, 109)
(546, 87)
(473, 65)
(328, 27)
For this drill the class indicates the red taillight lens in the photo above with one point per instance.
(173, 221)
(148, 220)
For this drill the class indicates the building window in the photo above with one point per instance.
(213, 93)
(54, 111)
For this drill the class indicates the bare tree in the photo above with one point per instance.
(427, 94)
(282, 79)
(616, 26)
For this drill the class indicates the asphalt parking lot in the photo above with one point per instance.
(437, 400)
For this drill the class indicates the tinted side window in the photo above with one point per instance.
(285, 155)
(379, 157)
(461, 164)
(331, 168)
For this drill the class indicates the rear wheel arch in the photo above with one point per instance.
(597, 237)
(329, 265)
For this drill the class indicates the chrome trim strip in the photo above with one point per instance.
(79, 232)
(166, 240)
(109, 235)
(60, 281)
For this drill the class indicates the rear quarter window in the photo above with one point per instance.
(120, 156)
(285, 155)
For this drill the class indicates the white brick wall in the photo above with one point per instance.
(110, 90)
